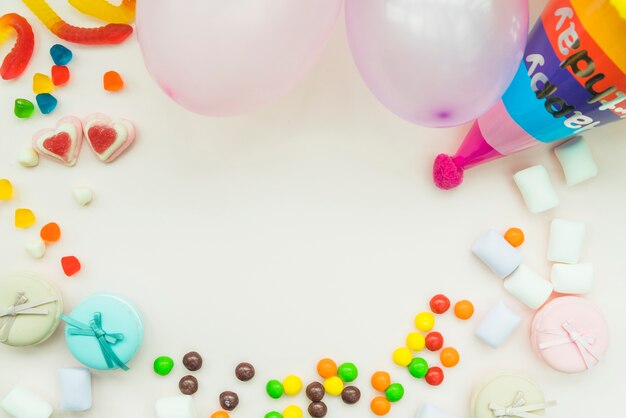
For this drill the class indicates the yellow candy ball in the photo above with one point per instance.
(292, 385)
(333, 386)
(402, 356)
(425, 321)
(292, 411)
(415, 341)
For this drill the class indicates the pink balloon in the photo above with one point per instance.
(437, 62)
(228, 57)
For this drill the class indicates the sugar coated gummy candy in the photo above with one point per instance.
(18, 58)
(60, 54)
(60, 75)
(6, 189)
(24, 218)
(70, 265)
(23, 108)
(42, 84)
(104, 10)
(46, 102)
(112, 81)
(28, 157)
(37, 248)
(50, 232)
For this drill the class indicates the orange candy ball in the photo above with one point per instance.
(113, 81)
(220, 414)
(514, 236)
(464, 309)
(50, 232)
(449, 357)
(381, 381)
(380, 406)
(327, 368)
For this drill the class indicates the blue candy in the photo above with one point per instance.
(60, 54)
(46, 102)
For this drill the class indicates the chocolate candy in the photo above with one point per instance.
(229, 400)
(192, 361)
(318, 409)
(351, 395)
(315, 391)
(188, 385)
(244, 371)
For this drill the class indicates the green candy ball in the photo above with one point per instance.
(273, 414)
(275, 389)
(348, 372)
(418, 367)
(394, 392)
(163, 365)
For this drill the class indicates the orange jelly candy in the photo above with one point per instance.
(464, 309)
(327, 368)
(449, 357)
(380, 406)
(113, 81)
(50, 232)
(514, 236)
(381, 381)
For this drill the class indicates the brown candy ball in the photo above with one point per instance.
(229, 400)
(192, 361)
(318, 409)
(188, 385)
(244, 371)
(351, 395)
(315, 391)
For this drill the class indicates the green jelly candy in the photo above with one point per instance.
(163, 365)
(23, 108)
(273, 414)
(275, 389)
(348, 372)
(418, 367)
(394, 392)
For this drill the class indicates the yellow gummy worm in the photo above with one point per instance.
(103, 10)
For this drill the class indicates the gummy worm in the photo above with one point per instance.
(113, 33)
(103, 10)
(17, 60)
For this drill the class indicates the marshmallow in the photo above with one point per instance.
(180, 406)
(528, 287)
(83, 195)
(566, 241)
(497, 325)
(28, 157)
(75, 385)
(576, 160)
(575, 279)
(430, 411)
(22, 403)
(37, 248)
(500, 256)
(536, 188)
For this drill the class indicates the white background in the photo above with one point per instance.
(306, 230)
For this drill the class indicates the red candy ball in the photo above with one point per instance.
(439, 304)
(434, 376)
(434, 341)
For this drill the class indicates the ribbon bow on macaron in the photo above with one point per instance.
(519, 409)
(571, 335)
(21, 306)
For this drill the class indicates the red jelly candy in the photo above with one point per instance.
(434, 376)
(439, 304)
(18, 58)
(70, 265)
(60, 75)
(434, 341)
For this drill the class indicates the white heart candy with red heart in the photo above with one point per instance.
(108, 137)
(61, 143)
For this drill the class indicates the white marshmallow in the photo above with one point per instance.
(536, 188)
(431, 411)
(500, 256)
(37, 248)
(577, 162)
(497, 325)
(566, 241)
(22, 403)
(28, 157)
(75, 389)
(576, 279)
(180, 406)
(530, 288)
(83, 195)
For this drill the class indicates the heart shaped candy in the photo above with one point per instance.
(108, 137)
(62, 143)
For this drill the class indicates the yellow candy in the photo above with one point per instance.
(292, 385)
(24, 218)
(333, 386)
(292, 411)
(425, 321)
(415, 341)
(42, 84)
(402, 356)
(6, 189)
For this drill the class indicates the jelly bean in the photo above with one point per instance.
(333, 386)
(163, 365)
(292, 385)
(326, 368)
(418, 367)
(274, 389)
(17, 60)
(439, 304)
(24, 218)
(464, 310)
(394, 392)
(28, 157)
(273, 414)
(380, 406)
(434, 377)
(105, 11)
(60, 54)
(50, 232)
(415, 341)
(425, 321)
(381, 381)
(112, 33)
(434, 341)
(46, 102)
(23, 108)
(42, 84)
(60, 75)
(514, 236)
(347, 372)
(449, 357)
(402, 356)
(70, 265)
(6, 189)
(112, 81)
(220, 414)
(292, 411)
